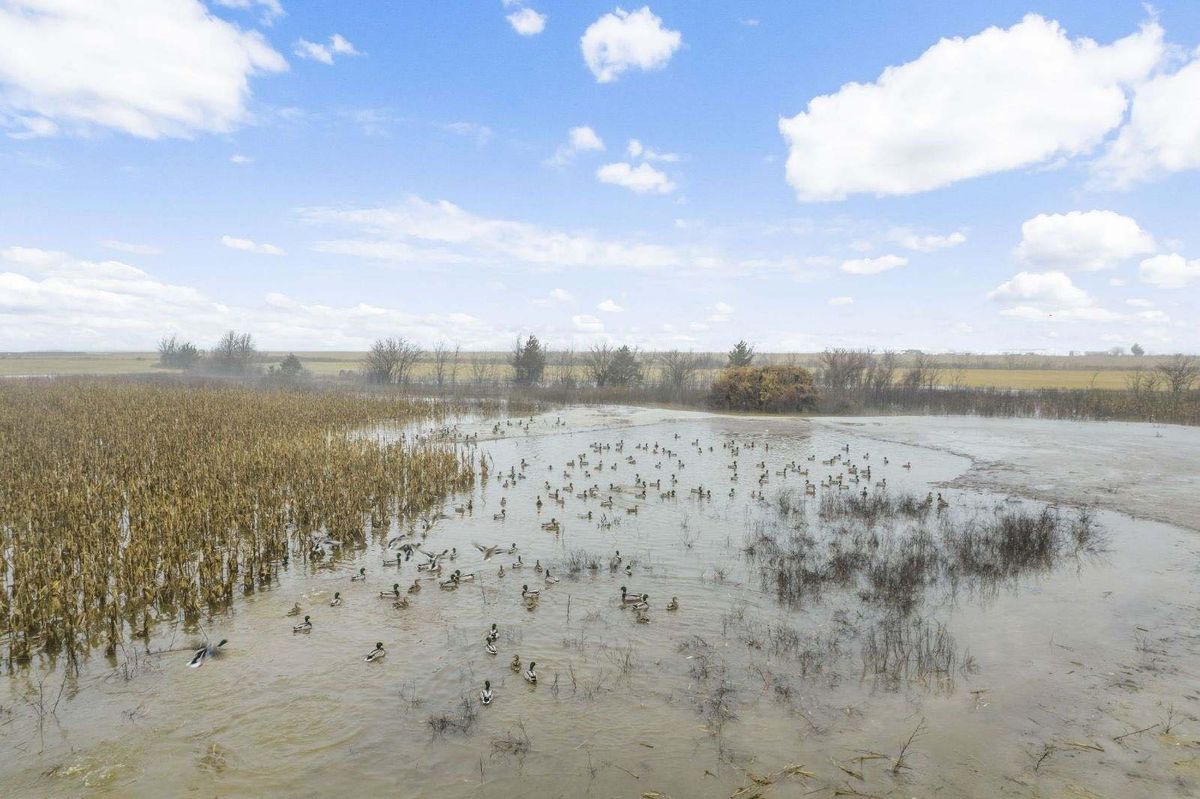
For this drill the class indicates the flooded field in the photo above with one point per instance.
(933, 617)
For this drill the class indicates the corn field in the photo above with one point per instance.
(124, 504)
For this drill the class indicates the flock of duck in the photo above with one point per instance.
(600, 457)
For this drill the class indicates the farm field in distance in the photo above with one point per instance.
(1107, 372)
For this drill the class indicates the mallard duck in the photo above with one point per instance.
(501, 572)
(401, 603)
(485, 696)
(530, 675)
(295, 611)
(673, 604)
(630, 599)
(205, 652)
(499, 517)
(489, 647)
(520, 564)
(493, 633)
(487, 551)
(537, 566)
(415, 587)
(643, 614)
(513, 549)
(393, 594)
(449, 585)
(378, 653)
(362, 575)
(550, 579)
(614, 562)
(304, 626)
(515, 663)
(463, 578)
(337, 599)
(527, 594)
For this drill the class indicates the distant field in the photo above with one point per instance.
(327, 364)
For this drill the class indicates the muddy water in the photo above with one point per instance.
(694, 703)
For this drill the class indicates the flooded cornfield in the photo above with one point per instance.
(712, 605)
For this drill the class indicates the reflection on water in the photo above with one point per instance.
(1019, 687)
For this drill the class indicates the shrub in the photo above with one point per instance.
(774, 389)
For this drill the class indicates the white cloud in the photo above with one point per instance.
(136, 249)
(609, 306)
(417, 231)
(246, 245)
(1048, 296)
(721, 312)
(999, 100)
(587, 324)
(150, 68)
(1082, 240)
(324, 53)
(271, 9)
(33, 128)
(556, 296)
(873, 266)
(1139, 302)
(642, 179)
(527, 22)
(931, 242)
(482, 134)
(240, 160)
(635, 149)
(579, 140)
(1163, 132)
(52, 300)
(618, 41)
(841, 300)
(1169, 271)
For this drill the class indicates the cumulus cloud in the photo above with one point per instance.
(1002, 99)
(325, 53)
(271, 9)
(622, 40)
(417, 231)
(1163, 132)
(873, 266)
(527, 22)
(642, 179)
(721, 312)
(928, 242)
(1048, 296)
(149, 68)
(556, 296)
(240, 160)
(1169, 271)
(635, 149)
(482, 134)
(246, 245)
(580, 139)
(52, 300)
(609, 306)
(587, 324)
(1082, 240)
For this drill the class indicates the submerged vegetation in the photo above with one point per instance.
(123, 504)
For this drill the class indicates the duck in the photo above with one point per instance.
(464, 578)
(362, 575)
(401, 603)
(304, 626)
(451, 584)
(527, 594)
(336, 601)
(529, 674)
(614, 562)
(378, 653)
(499, 517)
(550, 579)
(488, 551)
(393, 594)
(295, 611)
(520, 564)
(489, 647)
(537, 566)
(515, 663)
(673, 604)
(485, 696)
(415, 587)
(501, 572)
(493, 633)
(205, 652)
(630, 599)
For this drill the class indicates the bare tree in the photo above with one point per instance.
(1180, 372)
(481, 369)
(882, 372)
(454, 359)
(380, 363)
(441, 362)
(234, 353)
(679, 370)
(597, 364)
(564, 367)
(408, 354)
(923, 372)
(1142, 381)
(843, 368)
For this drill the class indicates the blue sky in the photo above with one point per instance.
(951, 176)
